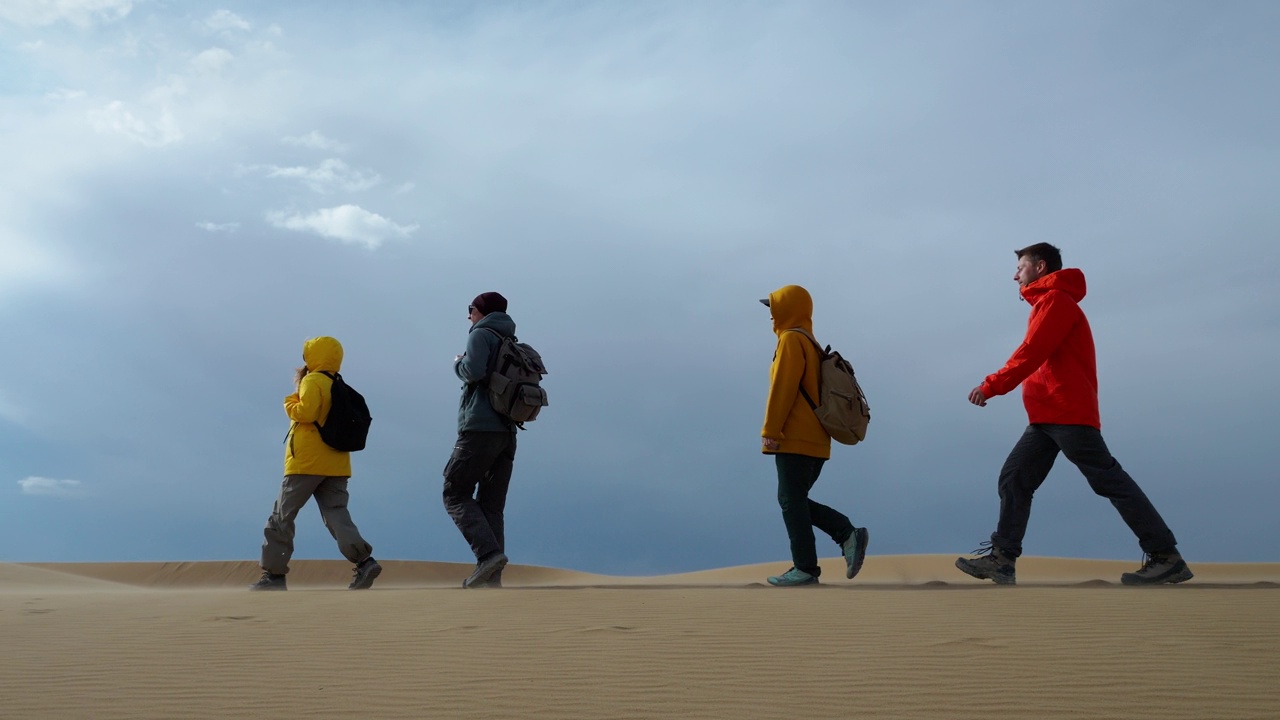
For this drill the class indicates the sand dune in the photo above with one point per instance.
(184, 640)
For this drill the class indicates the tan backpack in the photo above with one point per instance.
(842, 406)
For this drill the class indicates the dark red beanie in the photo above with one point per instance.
(490, 302)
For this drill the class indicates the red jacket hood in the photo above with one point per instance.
(1068, 280)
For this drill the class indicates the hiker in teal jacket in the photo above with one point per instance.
(478, 473)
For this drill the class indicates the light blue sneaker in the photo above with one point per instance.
(793, 578)
(855, 551)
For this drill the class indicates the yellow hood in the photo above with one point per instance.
(792, 307)
(322, 354)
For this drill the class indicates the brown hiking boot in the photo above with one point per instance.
(1159, 569)
(991, 564)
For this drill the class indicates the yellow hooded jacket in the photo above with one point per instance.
(787, 415)
(305, 453)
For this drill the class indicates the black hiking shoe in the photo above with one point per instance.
(1159, 569)
(855, 551)
(991, 564)
(269, 581)
(485, 570)
(365, 573)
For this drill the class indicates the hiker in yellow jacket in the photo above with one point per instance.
(799, 443)
(313, 469)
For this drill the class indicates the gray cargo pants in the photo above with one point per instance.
(331, 496)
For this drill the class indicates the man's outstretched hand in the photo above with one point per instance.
(977, 398)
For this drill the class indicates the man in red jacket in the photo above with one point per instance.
(1058, 372)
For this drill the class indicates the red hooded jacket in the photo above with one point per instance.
(1055, 362)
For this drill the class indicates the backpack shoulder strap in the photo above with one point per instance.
(805, 393)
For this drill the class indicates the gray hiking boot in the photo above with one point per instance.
(795, 577)
(1159, 569)
(992, 564)
(269, 581)
(494, 581)
(485, 570)
(365, 573)
(855, 551)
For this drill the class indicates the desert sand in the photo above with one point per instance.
(911, 637)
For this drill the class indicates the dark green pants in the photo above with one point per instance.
(796, 476)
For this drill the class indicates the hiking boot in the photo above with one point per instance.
(365, 573)
(992, 564)
(1159, 569)
(485, 570)
(269, 581)
(495, 581)
(794, 577)
(855, 551)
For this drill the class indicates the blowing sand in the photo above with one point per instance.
(910, 638)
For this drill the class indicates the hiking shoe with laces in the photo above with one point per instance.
(794, 577)
(485, 570)
(269, 581)
(855, 551)
(1159, 569)
(364, 574)
(990, 565)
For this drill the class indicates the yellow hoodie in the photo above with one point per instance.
(305, 453)
(787, 415)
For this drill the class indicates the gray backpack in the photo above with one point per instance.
(515, 374)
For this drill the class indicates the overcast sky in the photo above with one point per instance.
(190, 190)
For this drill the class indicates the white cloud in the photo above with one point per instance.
(33, 46)
(51, 487)
(348, 223)
(404, 188)
(218, 227)
(225, 20)
(113, 117)
(35, 13)
(331, 174)
(211, 60)
(315, 140)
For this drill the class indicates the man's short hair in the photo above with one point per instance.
(1051, 255)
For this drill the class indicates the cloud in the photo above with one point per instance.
(315, 140)
(34, 46)
(225, 20)
(113, 117)
(331, 174)
(211, 60)
(348, 223)
(50, 487)
(405, 188)
(36, 13)
(218, 227)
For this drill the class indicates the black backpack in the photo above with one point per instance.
(515, 374)
(347, 426)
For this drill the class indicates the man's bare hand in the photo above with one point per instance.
(771, 444)
(977, 398)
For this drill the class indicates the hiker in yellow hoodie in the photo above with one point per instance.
(313, 469)
(799, 444)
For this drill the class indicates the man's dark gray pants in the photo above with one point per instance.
(1032, 458)
(796, 476)
(476, 479)
(331, 496)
